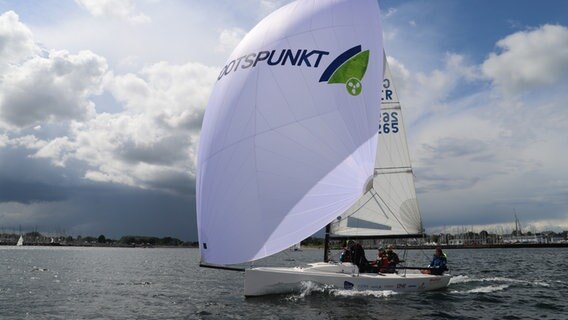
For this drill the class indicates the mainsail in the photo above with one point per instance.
(289, 135)
(389, 207)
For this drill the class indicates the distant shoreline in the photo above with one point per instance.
(398, 247)
(97, 245)
(490, 246)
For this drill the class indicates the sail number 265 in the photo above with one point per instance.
(388, 123)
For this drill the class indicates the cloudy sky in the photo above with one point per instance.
(101, 103)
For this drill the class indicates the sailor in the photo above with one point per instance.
(382, 261)
(392, 259)
(345, 254)
(439, 262)
(358, 255)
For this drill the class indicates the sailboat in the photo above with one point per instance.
(294, 140)
(20, 241)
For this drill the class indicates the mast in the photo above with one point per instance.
(518, 231)
(326, 243)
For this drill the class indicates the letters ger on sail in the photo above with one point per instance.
(285, 148)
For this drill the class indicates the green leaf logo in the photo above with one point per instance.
(348, 68)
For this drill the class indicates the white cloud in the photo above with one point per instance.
(390, 12)
(530, 59)
(122, 9)
(16, 41)
(426, 93)
(174, 95)
(152, 143)
(50, 89)
(480, 154)
(57, 150)
(264, 7)
(228, 39)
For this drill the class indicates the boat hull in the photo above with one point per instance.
(264, 280)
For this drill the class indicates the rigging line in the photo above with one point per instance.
(391, 211)
(354, 212)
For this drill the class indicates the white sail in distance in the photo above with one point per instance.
(289, 138)
(389, 207)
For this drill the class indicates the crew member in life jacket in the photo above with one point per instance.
(345, 254)
(393, 260)
(438, 264)
(382, 261)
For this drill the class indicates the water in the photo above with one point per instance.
(127, 283)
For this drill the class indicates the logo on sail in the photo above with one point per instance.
(348, 68)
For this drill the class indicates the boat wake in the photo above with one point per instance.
(366, 293)
(309, 288)
(497, 284)
(486, 289)
(465, 279)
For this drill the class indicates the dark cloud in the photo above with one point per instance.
(36, 195)
(29, 191)
(119, 210)
(27, 180)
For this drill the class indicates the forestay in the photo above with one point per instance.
(289, 135)
(389, 207)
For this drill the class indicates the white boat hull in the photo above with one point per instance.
(266, 280)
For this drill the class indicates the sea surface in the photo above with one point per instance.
(152, 283)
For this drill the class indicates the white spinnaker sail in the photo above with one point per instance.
(289, 138)
(390, 207)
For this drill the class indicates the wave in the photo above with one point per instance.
(309, 288)
(466, 279)
(487, 289)
(367, 293)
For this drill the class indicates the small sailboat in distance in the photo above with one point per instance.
(20, 241)
(289, 145)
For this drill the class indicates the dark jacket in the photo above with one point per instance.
(439, 264)
(358, 257)
(393, 260)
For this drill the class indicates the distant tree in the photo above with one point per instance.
(101, 239)
(89, 239)
(312, 241)
(169, 241)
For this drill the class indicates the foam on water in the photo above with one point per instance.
(309, 288)
(466, 279)
(486, 289)
(367, 293)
